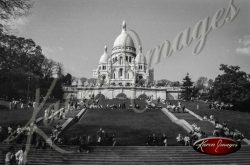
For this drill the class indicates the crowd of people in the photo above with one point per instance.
(176, 108)
(102, 137)
(15, 158)
(16, 104)
(222, 129)
(52, 114)
(220, 106)
(184, 140)
(18, 133)
(153, 140)
(193, 136)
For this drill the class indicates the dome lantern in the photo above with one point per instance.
(124, 26)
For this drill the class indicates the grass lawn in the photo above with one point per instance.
(130, 128)
(17, 116)
(235, 119)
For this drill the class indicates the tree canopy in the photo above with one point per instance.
(163, 83)
(187, 86)
(233, 86)
(23, 68)
(11, 10)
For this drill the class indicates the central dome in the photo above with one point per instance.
(124, 40)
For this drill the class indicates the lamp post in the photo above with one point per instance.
(28, 90)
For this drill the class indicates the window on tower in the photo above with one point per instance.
(120, 72)
(121, 60)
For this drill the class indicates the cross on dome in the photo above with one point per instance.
(140, 48)
(105, 49)
(124, 25)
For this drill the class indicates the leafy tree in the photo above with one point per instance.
(163, 83)
(23, 68)
(67, 79)
(12, 9)
(140, 81)
(83, 80)
(187, 88)
(92, 81)
(210, 84)
(175, 84)
(233, 86)
(201, 83)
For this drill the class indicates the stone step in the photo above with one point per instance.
(133, 155)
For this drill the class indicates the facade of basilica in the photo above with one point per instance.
(125, 66)
(123, 72)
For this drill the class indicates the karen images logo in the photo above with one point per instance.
(216, 146)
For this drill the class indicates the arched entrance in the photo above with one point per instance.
(99, 97)
(142, 96)
(121, 96)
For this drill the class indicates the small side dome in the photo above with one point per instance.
(104, 58)
(140, 58)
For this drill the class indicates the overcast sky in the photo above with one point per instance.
(74, 33)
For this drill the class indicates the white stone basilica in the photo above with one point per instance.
(125, 66)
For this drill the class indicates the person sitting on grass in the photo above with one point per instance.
(174, 108)
(238, 135)
(226, 131)
(211, 117)
(9, 130)
(216, 132)
(205, 117)
(183, 108)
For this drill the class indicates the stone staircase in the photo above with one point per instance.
(132, 155)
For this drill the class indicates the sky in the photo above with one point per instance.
(74, 33)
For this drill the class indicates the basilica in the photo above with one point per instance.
(125, 65)
(122, 72)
